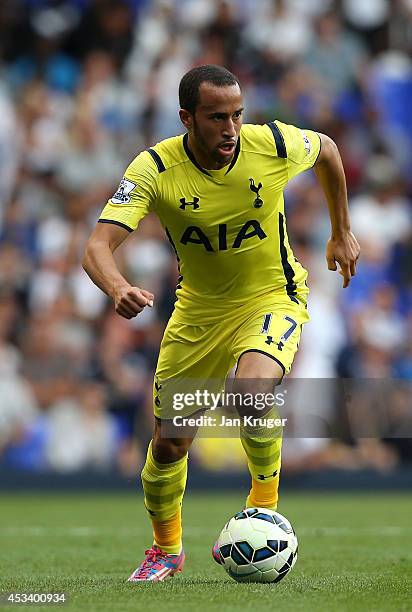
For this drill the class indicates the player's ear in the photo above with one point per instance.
(186, 118)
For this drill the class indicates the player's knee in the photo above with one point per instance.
(252, 386)
(253, 395)
(168, 450)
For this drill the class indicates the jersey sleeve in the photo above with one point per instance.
(302, 147)
(135, 195)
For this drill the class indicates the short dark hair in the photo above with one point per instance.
(191, 81)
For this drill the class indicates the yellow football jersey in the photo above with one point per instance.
(227, 226)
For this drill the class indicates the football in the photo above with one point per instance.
(258, 545)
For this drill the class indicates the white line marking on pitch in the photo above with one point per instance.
(87, 531)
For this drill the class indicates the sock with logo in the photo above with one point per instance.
(164, 486)
(263, 451)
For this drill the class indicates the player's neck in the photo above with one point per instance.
(205, 161)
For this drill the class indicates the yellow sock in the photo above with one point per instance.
(164, 485)
(263, 450)
(263, 494)
(168, 534)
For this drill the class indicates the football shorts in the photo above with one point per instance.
(205, 354)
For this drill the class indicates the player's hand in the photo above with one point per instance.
(344, 251)
(130, 301)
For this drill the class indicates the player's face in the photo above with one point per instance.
(214, 128)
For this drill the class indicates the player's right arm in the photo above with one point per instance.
(101, 267)
(131, 202)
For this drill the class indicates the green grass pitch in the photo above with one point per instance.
(355, 553)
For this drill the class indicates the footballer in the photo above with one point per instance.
(241, 296)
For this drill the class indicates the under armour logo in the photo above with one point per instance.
(194, 203)
(158, 386)
(263, 477)
(258, 200)
(269, 340)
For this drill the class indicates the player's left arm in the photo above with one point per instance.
(342, 247)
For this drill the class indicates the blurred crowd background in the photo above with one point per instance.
(87, 84)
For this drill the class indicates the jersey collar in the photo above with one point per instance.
(198, 166)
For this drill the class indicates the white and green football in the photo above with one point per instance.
(258, 545)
